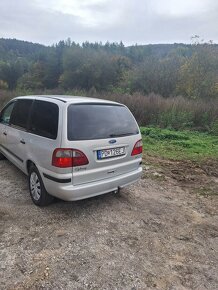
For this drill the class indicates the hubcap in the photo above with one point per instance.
(35, 186)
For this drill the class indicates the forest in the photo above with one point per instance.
(166, 85)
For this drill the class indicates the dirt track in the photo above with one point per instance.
(157, 234)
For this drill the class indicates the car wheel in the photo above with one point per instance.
(2, 157)
(37, 189)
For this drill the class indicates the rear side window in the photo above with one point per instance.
(44, 119)
(99, 121)
(20, 113)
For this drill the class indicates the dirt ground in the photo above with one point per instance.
(161, 233)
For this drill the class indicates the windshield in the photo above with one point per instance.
(99, 121)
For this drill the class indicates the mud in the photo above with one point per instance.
(161, 233)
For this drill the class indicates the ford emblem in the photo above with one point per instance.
(112, 141)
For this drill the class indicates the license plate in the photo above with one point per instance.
(109, 153)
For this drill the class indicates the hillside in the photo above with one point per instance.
(165, 69)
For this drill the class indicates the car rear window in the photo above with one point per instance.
(99, 121)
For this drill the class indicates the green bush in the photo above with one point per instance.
(176, 119)
(214, 129)
(160, 134)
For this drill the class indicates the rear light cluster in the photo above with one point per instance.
(137, 148)
(64, 158)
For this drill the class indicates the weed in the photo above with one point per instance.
(152, 110)
(179, 145)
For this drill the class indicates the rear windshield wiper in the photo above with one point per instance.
(122, 135)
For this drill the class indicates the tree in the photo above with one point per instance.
(198, 76)
(34, 78)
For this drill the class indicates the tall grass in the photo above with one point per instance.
(152, 110)
(174, 112)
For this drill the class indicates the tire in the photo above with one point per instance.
(38, 193)
(2, 157)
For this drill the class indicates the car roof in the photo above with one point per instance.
(67, 99)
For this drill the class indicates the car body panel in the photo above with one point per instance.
(103, 169)
(71, 192)
(3, 137)
(97, 177)
(15, 149)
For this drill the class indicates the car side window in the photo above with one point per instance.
(44, 119)
(6, 114)
(20, 114)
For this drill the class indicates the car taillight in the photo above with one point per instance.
(65, 158)
(137, 148)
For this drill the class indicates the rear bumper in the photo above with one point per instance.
(71, 192)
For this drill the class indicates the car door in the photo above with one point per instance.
(106, 134)
(4, 125)
(17, 135)
(44, 135)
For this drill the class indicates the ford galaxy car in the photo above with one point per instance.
(71, 147)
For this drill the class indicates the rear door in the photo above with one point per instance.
(4, 125)
(17, 136)
(106, 134)
(44, 135)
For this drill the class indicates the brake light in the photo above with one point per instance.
(137, 148)
(64, 158)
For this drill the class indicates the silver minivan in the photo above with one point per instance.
(71, 147)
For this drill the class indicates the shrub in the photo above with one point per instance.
(214, 129)
(152, 110)
(159, 134)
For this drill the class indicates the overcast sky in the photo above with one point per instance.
(132, 21)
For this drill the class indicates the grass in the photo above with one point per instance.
(179, 145)
(176, 112)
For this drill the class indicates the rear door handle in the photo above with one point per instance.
(22, 141)
(4, 133)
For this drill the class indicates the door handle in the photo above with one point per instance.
(22, 141)
(4, 133)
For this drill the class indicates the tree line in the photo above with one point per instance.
(165, 69)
